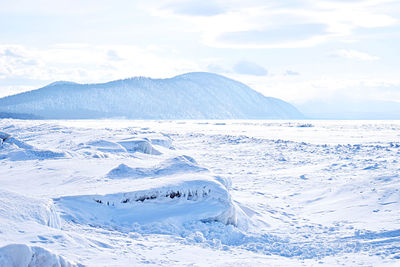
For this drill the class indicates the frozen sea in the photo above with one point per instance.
(199, 193)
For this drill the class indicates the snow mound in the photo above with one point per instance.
(106, 146)
(20, 208)
(17, 150)
(21, 255)
(164, 141)
(139, 145)
(124, 171)
(165, 200)
(171, 166)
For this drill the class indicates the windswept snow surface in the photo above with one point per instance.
(220, 193)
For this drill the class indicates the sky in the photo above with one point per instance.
(299, 51)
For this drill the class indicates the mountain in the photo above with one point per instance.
(197, 95)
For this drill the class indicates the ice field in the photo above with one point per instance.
(199, 193)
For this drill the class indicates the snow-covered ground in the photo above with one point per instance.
(220, 193)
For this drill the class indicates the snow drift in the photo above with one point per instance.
(20, 255)
(17, 150)
(189, 96)
(142, 145)
(179, 164)
(130, 145)
(166, 200)
(20, 208)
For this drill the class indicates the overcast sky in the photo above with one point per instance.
(294, 50)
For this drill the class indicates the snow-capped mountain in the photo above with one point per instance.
(196, 95)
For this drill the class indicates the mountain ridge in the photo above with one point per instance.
(195, 95)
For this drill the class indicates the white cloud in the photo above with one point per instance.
(339, 20)
(249, 68)
(299, 89)
(291, 73)
(113, 55)
(59, 7)
(215, 68)
(196, 8)
(353, 54)
(84, 63)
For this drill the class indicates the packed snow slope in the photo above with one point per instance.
(197, 95)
